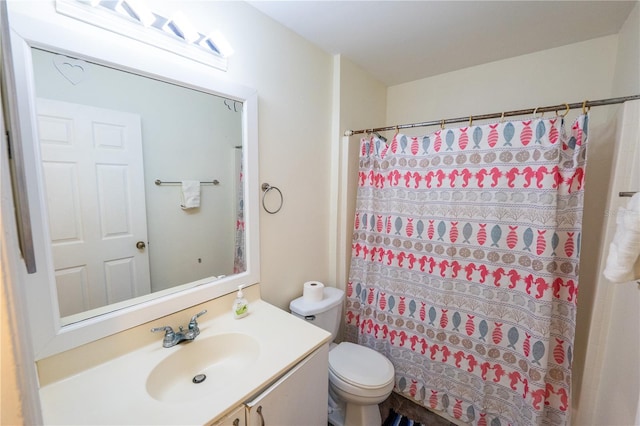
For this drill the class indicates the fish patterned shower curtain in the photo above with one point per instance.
(464, 268)
(239, 258)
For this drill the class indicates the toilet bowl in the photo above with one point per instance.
(359, 377)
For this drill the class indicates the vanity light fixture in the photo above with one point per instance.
(180, 26)
(140, 11)
(216, 40)
(134, 19)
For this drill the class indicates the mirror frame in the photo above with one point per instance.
(44, 29)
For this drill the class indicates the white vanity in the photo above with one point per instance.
(259, 370)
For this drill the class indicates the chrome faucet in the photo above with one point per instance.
(172, 338)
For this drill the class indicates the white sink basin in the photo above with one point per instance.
(220, 358)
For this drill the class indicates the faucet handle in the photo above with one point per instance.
(168, 330)
(196, 316)
(193, 324)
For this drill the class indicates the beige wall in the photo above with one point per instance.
(627, 73)
(360, 102)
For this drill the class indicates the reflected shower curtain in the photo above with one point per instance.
(464, 269)
(239, 258)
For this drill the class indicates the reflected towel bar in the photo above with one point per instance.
(160, 182)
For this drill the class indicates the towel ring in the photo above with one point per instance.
(266, 188)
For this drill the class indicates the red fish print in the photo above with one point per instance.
(444, 320)
(541, 243)
(526, 134)
(512, 237)
(493, 135)
(526, 345)
(453, 233)
(469, 326)
(496, 336)
(558, 351)
(569, 245)
(414, 146)
(553, 132)
(482, 234)
(463, 140)
(409, 228)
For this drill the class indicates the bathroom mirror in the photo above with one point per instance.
(115, 147)
(148, 119)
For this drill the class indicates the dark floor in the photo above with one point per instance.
(411, 410)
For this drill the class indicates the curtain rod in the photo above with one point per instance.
(584, 105)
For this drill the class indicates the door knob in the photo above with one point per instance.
(140, 245)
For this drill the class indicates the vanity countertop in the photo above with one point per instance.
(115, 392)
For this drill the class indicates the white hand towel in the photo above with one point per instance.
(190, 194)
(622, 262)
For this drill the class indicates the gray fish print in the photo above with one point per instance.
(467, 231)
(442, 228)
(412, 308)
(513, 337)
(425, 144)
(496, 233)
(484, 328)
(432, 315)
(537, 351)
(527, 237)
(398, 225)
(455, 320)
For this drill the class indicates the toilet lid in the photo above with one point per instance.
(360, 366)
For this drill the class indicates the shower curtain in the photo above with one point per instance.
(239, 260)
(464, 268)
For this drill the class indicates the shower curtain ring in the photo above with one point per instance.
(470, 120)
(502, 117)
(565, 112)
(441, 124)
(535, 111)
(585, 109)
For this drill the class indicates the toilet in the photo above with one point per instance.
(359, 377)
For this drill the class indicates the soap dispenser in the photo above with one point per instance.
(240, 307)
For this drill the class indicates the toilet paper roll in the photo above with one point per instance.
(313, 291)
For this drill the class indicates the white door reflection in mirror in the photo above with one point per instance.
(93, 173)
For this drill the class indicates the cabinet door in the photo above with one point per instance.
(236, 418)
(297, 398)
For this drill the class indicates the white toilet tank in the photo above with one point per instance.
(325, 313)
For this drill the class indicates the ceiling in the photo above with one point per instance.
(401, 41)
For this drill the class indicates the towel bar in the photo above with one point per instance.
(626, 194)
(160, 182)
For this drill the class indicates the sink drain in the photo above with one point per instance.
(199, 378)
